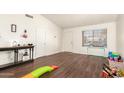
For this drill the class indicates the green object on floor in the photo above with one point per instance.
(40, 71)
(115, 54)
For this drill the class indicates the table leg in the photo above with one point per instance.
(15, 56)
(32, 53)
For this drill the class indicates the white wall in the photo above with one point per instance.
(120, 35)
(77, 39)
(36, 26)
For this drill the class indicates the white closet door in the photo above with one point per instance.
(46, 42)
(51, 42)
(68, 41)
(40, 45)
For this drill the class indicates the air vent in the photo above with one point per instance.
(29, 16)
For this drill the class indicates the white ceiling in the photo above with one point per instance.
(73, 20)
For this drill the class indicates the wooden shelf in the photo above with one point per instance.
(16, 51)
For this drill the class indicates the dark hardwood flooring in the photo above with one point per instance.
(71, 66)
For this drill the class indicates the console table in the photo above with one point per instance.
(16, 52)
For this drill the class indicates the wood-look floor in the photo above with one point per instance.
(71, 66)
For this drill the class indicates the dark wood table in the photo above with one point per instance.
(16, 52)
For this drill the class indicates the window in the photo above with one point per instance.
(95, 38)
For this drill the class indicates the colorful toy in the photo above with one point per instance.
(40, 71)
(109, 72)
(114, 56)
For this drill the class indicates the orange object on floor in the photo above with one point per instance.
(28, 76)
(55, 67)
(104, 74)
